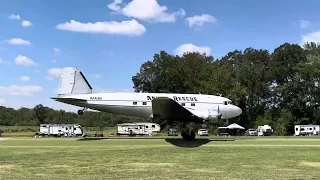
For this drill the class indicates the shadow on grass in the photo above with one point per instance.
(179, 142)
(191, 144)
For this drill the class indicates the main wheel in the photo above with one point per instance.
(80, 112)
(188, 135)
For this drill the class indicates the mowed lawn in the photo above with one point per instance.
(242, 158)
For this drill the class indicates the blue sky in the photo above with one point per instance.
(109, 40)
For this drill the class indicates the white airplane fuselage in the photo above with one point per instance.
(140, 104)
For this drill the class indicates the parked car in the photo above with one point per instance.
(203, 132)
(252, 132)
(172, 132)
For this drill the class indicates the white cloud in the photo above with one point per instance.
(56, 50)
(148, 10)
(4, 62)
(199, 20)
(13, 16)
(304, 24)
(26, 23)
(18, 41)
(188, 47)
(24, 61)
(15, 90)
(115, 5)
(3, 102)
(24, 78)
(98, 75)
(55, 72)
(311, 37)
(131, 27)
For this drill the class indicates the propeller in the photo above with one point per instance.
(219, 115)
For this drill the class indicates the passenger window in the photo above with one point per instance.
(134, 103)
(144, 103)
(192, 104)
(153, 126)
(183, 104)
(225, 102)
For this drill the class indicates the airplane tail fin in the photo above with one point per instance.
(72, 81)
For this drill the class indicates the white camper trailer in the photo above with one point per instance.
(137, 128)
(306, 130)
(61, 130)
(264, 130)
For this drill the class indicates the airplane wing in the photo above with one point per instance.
(166, 108)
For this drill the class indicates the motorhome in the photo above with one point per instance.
(306, 130)
(137, 128)
(264, 130)
(61, 130)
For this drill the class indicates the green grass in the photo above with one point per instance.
(243, 158)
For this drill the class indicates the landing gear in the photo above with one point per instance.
(80, 111)
(188, 135)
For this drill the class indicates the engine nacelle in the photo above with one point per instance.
(209, 116)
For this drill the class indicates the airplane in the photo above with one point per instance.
(74, 89)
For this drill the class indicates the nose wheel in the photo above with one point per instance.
(80, 111)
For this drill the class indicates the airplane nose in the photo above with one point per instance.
(236, 110)
(239, 111)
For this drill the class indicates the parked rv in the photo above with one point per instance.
(264, 130)
(61, 130)
(138, 128)
(306, 130)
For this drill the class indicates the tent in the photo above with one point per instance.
(235, 129)
(235, 126)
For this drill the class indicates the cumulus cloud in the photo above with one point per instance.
(18, 41)
(25, 78)
(55, 72)
(13, 16)
(148, 10)
(311, 37)
(199, 20)
(304, 24)
(26, 23)
(130, 27)
(188, 47)
(3, 102)
(15, 90)
(24, 61)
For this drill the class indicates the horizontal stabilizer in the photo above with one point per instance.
(70, 100)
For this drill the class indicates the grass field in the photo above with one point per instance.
(159, 158)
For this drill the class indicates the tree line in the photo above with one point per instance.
(279, 88)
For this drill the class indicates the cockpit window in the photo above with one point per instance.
(227, 102)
